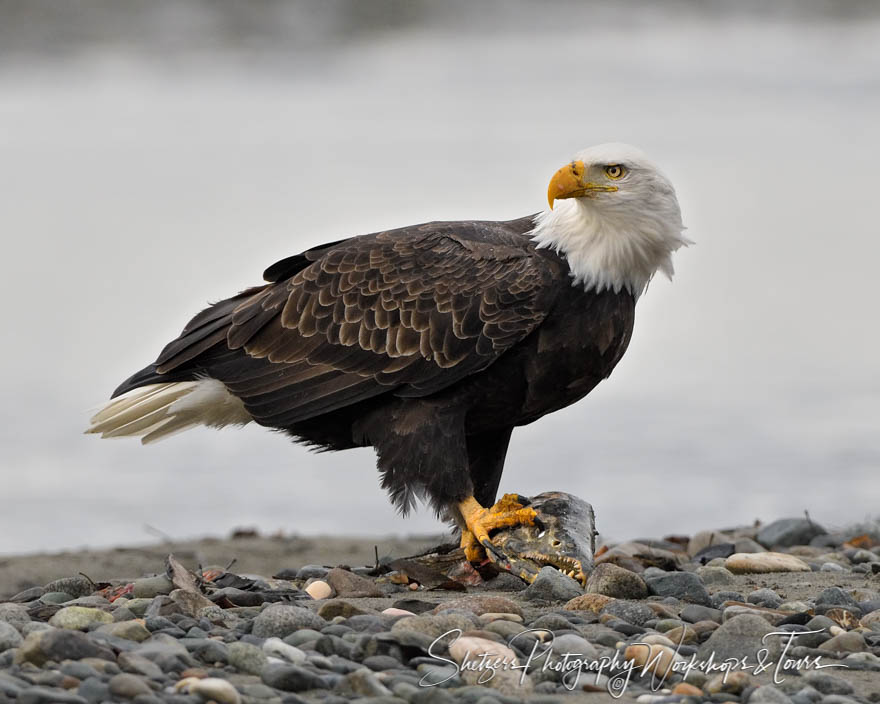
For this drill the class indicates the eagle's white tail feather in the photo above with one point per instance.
(127, 409)
(156, 411)
(134, 398)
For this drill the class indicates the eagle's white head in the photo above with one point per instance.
(618, 221)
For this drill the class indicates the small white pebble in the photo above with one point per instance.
(413, 587)
(836, 630)
(319, 590)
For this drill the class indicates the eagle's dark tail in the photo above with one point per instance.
(149, 375)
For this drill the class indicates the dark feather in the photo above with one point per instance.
(429, 343)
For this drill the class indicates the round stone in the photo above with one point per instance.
(128, 686)
(9, 636)
(280, 620)
(611, 580)
(247, 657)
(79, 618)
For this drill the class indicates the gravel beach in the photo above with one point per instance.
(677, 619)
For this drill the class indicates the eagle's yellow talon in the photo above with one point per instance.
(507, 511)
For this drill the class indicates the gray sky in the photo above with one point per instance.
(140, 180)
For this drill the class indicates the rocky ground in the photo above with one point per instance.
(285, 623)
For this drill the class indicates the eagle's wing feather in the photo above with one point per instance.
(410, 311)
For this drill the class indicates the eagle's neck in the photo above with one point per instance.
(609, 249)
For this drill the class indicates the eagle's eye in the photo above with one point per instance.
(615, 171)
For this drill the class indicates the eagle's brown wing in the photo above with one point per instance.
(412, 311)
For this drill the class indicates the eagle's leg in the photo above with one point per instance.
(507, 511)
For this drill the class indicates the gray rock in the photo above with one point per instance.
(139, 665)
(303, 636)
(348, 584)
(14, 614)
(128, 686)
(718, 598)
(715, 575)
(9, 636)
(836, 597)
(311, 572)
(331, 608)
(551, 621)
(571, 643)
(747, 545)
(364, 683)
(551, 585)
(814, 640)
(11, 686)
(93, 690)
(80, 670)
(857, 557)
(60, 644)
(768, 694)
(208, 650)
(95, 600)
(849, 642)
(685, 586)
(35, 593)
(740, 637)
(166, 652)
(79, 617)
(787, 532)
(150, 587)
(704, 539)
(291, 678)
(764, 597)
(828, 684)
(695, 612)
(121, 613)
(56, 598)
(280, 620)
(33, 627)
(378, 663)
(138, 606)
(611, 580)
(437, 624)
(630, 611)
(247, 658)
(48, 695)
(75, 586)
(831, 567)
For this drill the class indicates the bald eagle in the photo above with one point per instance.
(430, 343)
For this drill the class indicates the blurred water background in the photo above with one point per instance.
(157, 155)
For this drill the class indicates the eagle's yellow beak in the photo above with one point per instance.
(569, 182)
